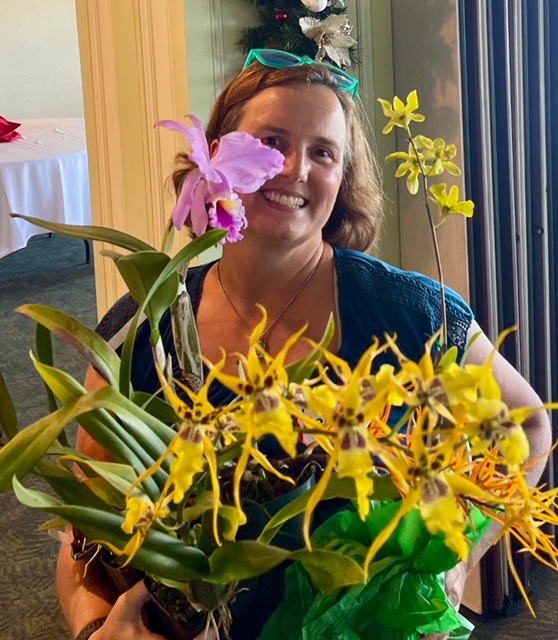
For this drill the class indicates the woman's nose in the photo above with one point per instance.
(296, 166)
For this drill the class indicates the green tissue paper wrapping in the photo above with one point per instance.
(404, 597)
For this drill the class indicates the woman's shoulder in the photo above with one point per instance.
(381, 281)
(370, 288)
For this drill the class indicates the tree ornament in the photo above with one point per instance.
(281, 16)
(333, 37)
(316, 5)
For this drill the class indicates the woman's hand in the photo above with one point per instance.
(124, 621)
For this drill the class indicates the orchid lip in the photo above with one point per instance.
(292, 201)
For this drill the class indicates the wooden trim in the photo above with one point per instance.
(134, 72)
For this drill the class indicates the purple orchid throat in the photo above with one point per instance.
(209, 194)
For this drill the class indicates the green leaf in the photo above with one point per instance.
(120, 476)
(28, 447)
(448, 358)
(77, 335)
(160, 555)
(303, 369)
(384, 489)
(68, 487)
(203, 504)
(43, 344)
(330, 570)
(156, 407)
(8, 415)
(187, 253)
(244, 559)
(140, 272)
(90, 232)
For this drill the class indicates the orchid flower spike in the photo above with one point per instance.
(209, 194)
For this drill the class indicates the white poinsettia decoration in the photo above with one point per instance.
(315, 5)
(333, 36)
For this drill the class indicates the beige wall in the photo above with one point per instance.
(426, 58)
(39, 59)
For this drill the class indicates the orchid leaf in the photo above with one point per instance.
(77, 335)
(303, 369)
(140, 272)
(244, 559)
(119, 476)
(160, 554)
(106, 492)
(98, 422)
(8, 414)
(187, 253)
(203, 503)
(131, 429)
(384, 489)
(27, 448)
(449, 357)
(43, 345)
(90, 232)
(68, 487)
(156, 407)
(330, 570)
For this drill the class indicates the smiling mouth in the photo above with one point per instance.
(294, 202)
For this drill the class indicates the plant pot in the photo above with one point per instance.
(169, 614)
(123, 578)
(259, 514)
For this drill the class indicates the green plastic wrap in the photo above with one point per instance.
(404, 597)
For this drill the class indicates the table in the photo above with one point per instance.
(44, 174)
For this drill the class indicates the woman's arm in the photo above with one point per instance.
(85, 592)
(516, 392)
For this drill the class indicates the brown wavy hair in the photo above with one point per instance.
(358, 211)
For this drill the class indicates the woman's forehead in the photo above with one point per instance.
(295, 107)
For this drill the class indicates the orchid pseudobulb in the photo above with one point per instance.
(209, 194)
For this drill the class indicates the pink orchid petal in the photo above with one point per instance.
(184, 202)
(246, 162)
(198, 214)
(228, 213)
(197, 141)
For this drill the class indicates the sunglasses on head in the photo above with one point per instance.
(277, 59)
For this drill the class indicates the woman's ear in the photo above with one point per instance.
(213, 148)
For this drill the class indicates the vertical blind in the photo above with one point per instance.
(509, 63)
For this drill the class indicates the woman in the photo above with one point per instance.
(298, 260)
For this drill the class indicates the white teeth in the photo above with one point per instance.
(289, 201)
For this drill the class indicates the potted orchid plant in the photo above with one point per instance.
(385, 506)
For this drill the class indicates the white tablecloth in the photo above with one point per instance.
(45, 175)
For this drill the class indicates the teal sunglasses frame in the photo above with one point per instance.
(279, 59)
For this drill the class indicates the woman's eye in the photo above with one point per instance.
(270, 141)
(324, 153)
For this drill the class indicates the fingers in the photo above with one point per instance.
(124, 621)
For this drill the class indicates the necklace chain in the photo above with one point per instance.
(263, 341)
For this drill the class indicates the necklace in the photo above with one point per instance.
(263, 338)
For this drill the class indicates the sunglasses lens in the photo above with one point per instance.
(278, 59)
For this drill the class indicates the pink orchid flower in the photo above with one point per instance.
(209, 194)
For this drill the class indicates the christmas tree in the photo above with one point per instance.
(324, 34)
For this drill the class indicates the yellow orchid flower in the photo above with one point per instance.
(444, 514)
(412, 164)
(449, 203)
(437, 155)
(401, 114)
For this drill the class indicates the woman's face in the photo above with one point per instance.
(307, 125)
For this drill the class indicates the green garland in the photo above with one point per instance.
(278, 32)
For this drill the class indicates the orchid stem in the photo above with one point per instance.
(435, 244)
